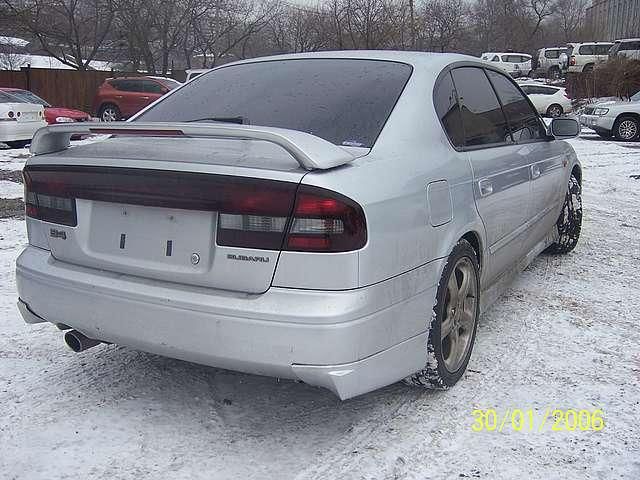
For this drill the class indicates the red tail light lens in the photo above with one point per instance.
(325, 221)
(572, 61)
(47, 201)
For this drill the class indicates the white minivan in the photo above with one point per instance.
(515, 64)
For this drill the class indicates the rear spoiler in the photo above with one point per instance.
(311, 152)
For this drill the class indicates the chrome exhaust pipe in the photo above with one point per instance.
(79, 342)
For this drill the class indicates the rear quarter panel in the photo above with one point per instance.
(391, 185)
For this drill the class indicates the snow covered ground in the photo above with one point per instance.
(564, 336)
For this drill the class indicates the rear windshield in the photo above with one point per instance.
(24, 96)
(344, 101)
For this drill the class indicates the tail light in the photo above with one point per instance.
(47, 200)
(322, 221)
(11, 117)
(572, 61)
(325, 221)
(252, 213)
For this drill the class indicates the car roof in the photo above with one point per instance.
(415, 59)
(506, 53)
(594, 43)
(538, 84)
(628, 40)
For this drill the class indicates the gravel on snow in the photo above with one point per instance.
(565, 335)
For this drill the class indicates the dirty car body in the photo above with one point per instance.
(305, 245)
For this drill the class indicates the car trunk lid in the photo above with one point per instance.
(202, 211)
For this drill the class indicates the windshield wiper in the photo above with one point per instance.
(238, 119)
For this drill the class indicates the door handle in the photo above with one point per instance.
(535, 171)
(145, 98)
(118, 96)
(486, 187)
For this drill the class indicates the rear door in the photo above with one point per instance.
(501, 175)
(152, 91)
(545, 159)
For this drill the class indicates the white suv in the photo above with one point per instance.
(584, 56)
(549, 61)
(628, 47)
(515, 64)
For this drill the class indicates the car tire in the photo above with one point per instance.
(569, 223)
(627, 128)
(109, 113)
(588, 68)
(554, 110)
(18, 143)
(448, 355)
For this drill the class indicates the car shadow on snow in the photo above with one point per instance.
(248, 405)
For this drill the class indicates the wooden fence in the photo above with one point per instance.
(62, 88)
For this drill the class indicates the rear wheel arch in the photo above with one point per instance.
(474, 239)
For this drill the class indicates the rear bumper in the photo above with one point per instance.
(16, 131)
(350, 342)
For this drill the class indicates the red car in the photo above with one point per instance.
(119, 98)
(51, 114)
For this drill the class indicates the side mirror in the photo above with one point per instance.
(563, 128)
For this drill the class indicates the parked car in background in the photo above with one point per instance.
(120, 98)
(515, 64)
(583, 57)
(51, 114)
(550, 61)
(614, 119)
(549, 100)
(194, 72)
(628, 47)
(19, 121)
(345, 238)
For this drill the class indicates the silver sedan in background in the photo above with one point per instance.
(339, 218)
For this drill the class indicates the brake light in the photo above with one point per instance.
(46, 200)
(325, 221)
(322, 221)
(572, 60)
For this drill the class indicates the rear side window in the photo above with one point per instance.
(523, 120)
(552, 53)
(344, 101)
(446, 103)
(151, 87)
(603, 49)
(587, 50)
(482, 117)
(127, 85)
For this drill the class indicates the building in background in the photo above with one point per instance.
(614, 19)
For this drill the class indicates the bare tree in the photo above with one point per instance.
(72, 31)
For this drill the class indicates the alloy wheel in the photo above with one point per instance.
(554, 111)
(627, 129)
(459, 314)
(109, 115)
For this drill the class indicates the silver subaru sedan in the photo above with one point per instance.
(339, 218)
